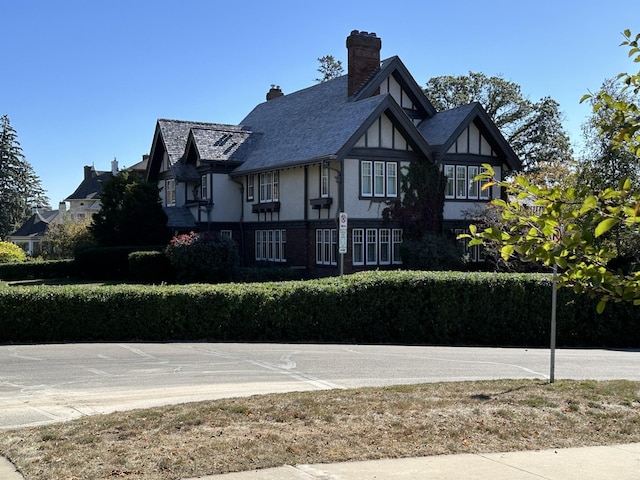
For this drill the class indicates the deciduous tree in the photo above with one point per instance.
(533, 129)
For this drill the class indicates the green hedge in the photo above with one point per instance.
(37, 270)
(373, 307)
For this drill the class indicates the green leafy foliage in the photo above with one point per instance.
(533, 129)
(150, 267)
(431, 252)
(203, 257)
(406, 307)
(567, 228)
(10, 253)
(31, 270)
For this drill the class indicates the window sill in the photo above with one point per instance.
(318, 203)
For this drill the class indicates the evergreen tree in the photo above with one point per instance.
(330, 68)
(131, 213)
(20, 187)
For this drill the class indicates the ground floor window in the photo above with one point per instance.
(326, 246)
(373, 246)
(270, 245)
(474, 253)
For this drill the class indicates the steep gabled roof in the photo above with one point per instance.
(90, 187)
(319, 122)
(219, 143)
(36, 225)
(394, 66)
(444, 128)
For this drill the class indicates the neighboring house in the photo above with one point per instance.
(29, 235)
(277, 182)
(83, 203)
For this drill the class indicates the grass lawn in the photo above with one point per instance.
(329, 426)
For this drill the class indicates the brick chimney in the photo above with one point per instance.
(364, 58)
(87, 172)
(274, 92)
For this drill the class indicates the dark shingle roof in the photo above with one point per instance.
(179, 218)
(91, 186)
(438, 129)
(36, 225)
(220, 142)
(309, 124)
(175, 135)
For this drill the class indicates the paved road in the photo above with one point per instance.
(47, 383)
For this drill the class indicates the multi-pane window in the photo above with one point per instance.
(250, 186)
(378, 179)
(269, 187)
(366, 187)
(460, 182)
(371, 246)
(225, 234)
(270, 245)
(473, 185)
(484, 192)
(357, 255)
(204, 187)
(385, 246)
(326, 240)
(376, 247)
(396, 240)
(473, 253)
(170, 195)
(392, 179)
(450, 175)
(324, 181)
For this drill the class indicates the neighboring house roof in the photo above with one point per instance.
(91, 186)
(179, 218)
(36, 225)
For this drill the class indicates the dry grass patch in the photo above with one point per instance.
(328, 426)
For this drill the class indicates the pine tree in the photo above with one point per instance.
(20, 187)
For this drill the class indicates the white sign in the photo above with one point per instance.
(343, 221)
(342, 241)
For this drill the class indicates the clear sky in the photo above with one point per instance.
(84, 81)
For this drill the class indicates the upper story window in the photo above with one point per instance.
(460, 182)
(204, 187)
(251, 180)
(324, 180)
(269, 187)
(170, 192)
(378, 179)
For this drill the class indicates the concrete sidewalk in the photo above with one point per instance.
(619, 462)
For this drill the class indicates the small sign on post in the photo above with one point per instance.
(342, 237)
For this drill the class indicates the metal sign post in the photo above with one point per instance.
(553, 326)
(342, 239)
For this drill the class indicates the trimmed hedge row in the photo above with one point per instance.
(451, 308)
(37, 270)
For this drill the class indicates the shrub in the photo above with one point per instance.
(431, 252)
(203, 257)
(38, 270)
(107, 263)
(11, 253)
(150, 267)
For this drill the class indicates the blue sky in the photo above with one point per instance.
(85, 81)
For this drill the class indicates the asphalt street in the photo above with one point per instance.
(48, 383)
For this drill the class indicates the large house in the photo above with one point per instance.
(278, 182)
(83, 203)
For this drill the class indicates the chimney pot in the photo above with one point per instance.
(274, 92)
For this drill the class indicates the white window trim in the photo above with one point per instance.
(357, 238)
(170, 194)
(270, 245)
(326, 244)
